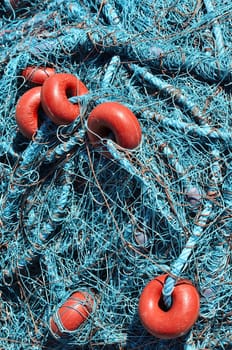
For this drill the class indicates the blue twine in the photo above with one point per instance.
(205, 131)
(148, 187)
(73, 219)
(104, 39)
(169, 91)
(110, 12)
(24, 176)
(110, 71)
(216, 28)
(179, 265)
(48, 228)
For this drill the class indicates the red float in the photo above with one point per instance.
(54, 97)
(176, 321)
(37, 75)
(114, 118)
(72, 314)
(27, 108)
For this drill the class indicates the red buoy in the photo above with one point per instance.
(179, 318)
(70, 316)
(54, 97)
(37, 75)
(27, 108)
(113, 118)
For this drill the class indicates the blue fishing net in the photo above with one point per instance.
(73, 219)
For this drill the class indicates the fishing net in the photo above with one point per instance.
(73, 218)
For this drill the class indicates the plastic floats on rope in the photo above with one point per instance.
(162, 307)
(54, 97)
(50, 97)
(37, 75)
(157, 317)
(72, 314)
(27, 109)
(108, 119)
(178, 319)
(167, 292)
(113, 118)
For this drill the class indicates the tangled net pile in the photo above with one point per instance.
(73, 219)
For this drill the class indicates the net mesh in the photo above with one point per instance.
(73, 219)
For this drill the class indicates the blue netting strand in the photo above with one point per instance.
(168, 91)
(216, 28)
(202, 132)
(182, 260)
(110, 71)
(23, 177)
(205, 215)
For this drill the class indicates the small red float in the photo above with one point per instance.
(37, 75)
(54, 97)
(70, 316)
(114, 118)
(27, 108)
(176, 321)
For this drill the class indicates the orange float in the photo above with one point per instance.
(179, 318)
(72, 314)
(37, 75)
(54, 97)
(27, 109)
(113, 118)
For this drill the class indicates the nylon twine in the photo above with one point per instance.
(73, 219)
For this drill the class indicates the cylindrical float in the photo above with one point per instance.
(71, 314)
